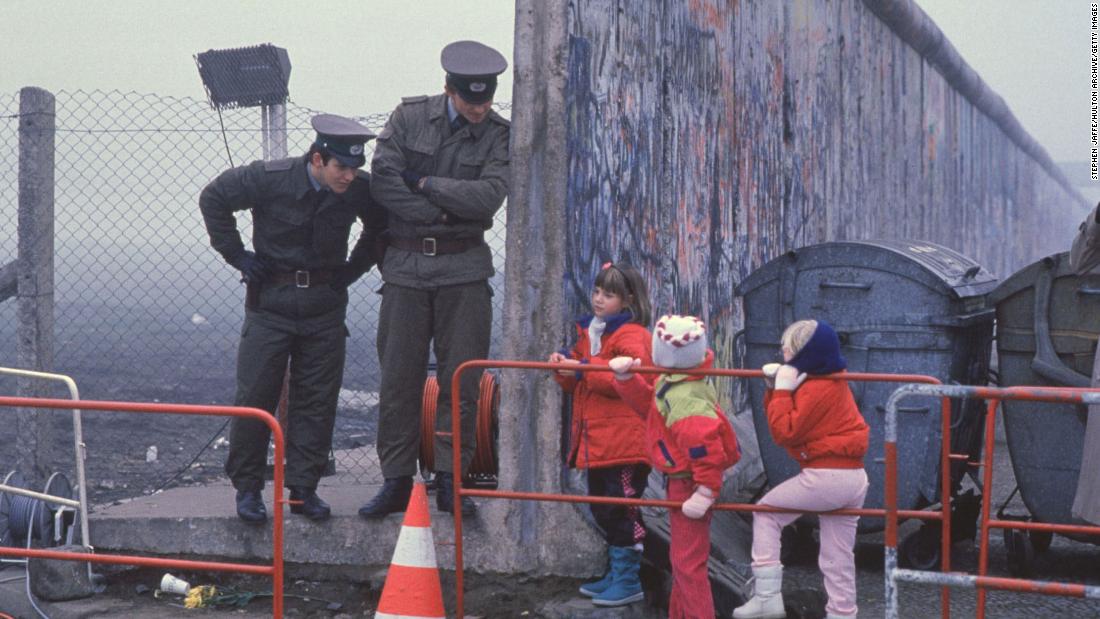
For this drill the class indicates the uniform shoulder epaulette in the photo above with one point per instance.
(278, 165)
(417, 99)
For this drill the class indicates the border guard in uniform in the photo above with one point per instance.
(440, 170)
(296, 300)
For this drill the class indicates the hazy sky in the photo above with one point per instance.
(360, 57)
(346, 57)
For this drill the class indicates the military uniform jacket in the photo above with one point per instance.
(467, 182)
(293, 227)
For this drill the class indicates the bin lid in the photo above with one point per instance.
(1025, 277)
(938, 266)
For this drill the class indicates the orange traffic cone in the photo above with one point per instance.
(412, 586)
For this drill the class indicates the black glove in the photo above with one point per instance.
(345, 276)
(412, 180)
(252, 267)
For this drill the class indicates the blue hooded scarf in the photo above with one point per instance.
(821, 355)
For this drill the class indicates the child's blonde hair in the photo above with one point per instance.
(797, 334)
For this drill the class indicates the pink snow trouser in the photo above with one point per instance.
(817, 490)
(688, 550)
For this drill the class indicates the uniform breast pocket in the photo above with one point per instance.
(285, 223)
(331, 228)
(469, 167)
(421, 157)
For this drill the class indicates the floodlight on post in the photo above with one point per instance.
(254, 76)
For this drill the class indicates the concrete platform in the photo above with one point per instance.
(201, 521)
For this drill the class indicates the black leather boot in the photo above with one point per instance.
(445, 496)
(312, 506)
(393, 498)
(250, 506)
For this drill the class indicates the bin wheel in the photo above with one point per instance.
(797, 544)
(1040, 540)
(1021, 553)
(920, 550)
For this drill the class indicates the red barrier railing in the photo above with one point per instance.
(275, 570)
(943, 515)
(982, 582)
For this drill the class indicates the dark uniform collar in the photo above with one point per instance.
(300, 177)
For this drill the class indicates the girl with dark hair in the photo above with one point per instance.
(607, 437)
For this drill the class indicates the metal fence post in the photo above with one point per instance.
(34, 347)
(273, 125)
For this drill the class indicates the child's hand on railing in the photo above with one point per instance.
(622, 366)
(557, 357)
(769, 370)
(696, 506)
(788, 378)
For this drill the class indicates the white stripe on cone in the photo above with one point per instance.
(414, 548)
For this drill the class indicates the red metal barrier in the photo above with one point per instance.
(943, 515)
(982, 582)
(275, 570)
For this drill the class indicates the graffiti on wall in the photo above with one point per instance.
(706, 137)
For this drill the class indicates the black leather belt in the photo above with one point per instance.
(431, 246)
(301, 279)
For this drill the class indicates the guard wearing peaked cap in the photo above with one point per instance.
(344, 138)
(440, 169)
(297, 275)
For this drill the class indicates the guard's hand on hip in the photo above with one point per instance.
(252, 267)
(696, 506)
(787, 378)
(622, 366)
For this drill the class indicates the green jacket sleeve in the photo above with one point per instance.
(387, 187)
(234, 190)
(477, 199)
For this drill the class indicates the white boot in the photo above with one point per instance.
(767, 598)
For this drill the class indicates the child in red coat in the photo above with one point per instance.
(691, 441)
(607, 436)
(819, 425)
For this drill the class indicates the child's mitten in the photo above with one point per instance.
(697, 504)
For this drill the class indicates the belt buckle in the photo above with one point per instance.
(427, 246)
(301, 279)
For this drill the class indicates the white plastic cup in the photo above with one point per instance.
(171, 584)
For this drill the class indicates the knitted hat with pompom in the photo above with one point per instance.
(679, 342)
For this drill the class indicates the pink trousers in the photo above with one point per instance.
(817, 490)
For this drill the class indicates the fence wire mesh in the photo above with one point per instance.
(145, 310)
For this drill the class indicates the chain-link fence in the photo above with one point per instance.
(145, 309)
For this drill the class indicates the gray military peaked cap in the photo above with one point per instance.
(343, 137)
(472, 69)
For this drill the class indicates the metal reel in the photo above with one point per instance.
(59, 486)
(11, 479)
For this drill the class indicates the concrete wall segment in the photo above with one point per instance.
(698, 139)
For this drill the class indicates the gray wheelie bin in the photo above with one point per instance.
(899, 307)
(1048, 319)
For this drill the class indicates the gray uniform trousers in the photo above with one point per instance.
(315, 347)
(457, 320)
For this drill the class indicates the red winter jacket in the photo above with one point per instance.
(818, 424)
(605, 431)
(687, 433)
